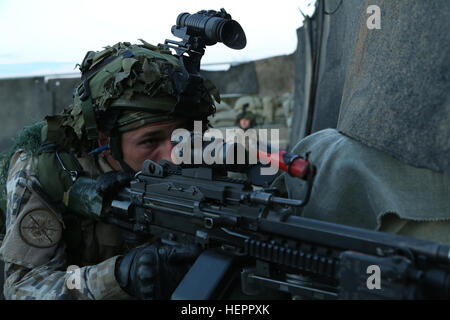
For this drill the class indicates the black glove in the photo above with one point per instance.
(154, 271)
(111, 182)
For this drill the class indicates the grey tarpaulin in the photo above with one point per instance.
(396, 93)
(324, 50)
(360, 186)
(390, 87)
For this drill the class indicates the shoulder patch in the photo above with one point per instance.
(40, 228)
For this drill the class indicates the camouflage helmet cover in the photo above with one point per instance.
(246, 114)
(128, 85)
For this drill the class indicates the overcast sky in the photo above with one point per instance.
(50, 36)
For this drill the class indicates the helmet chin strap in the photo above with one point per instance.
(126, 167)
(116, 151)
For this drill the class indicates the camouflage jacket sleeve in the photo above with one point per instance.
(34, 252)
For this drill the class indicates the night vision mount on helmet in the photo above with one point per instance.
(197, 31)
(147, 84)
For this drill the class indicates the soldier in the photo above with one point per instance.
(127, 104)
(246, 119)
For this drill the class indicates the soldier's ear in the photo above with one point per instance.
(103, 139)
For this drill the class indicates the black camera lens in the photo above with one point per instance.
(214, 29)
(232, 35)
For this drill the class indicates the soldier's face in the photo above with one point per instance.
(152, 141)
(244, 123)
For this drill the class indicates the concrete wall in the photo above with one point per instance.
(24, 101)
(271, 76)
(27, 100)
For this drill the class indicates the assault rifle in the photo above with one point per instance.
(255, 235)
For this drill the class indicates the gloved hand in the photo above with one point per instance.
(110, 183)
(154, 271)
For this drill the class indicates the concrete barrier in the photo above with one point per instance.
(24, 101)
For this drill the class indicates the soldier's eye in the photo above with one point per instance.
(149, 142)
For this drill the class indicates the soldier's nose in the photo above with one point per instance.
(166, 150)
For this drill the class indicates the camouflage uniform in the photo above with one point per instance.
(40, 273)
(123, 88)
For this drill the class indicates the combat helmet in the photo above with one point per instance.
(246, 114)
(126, 86)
